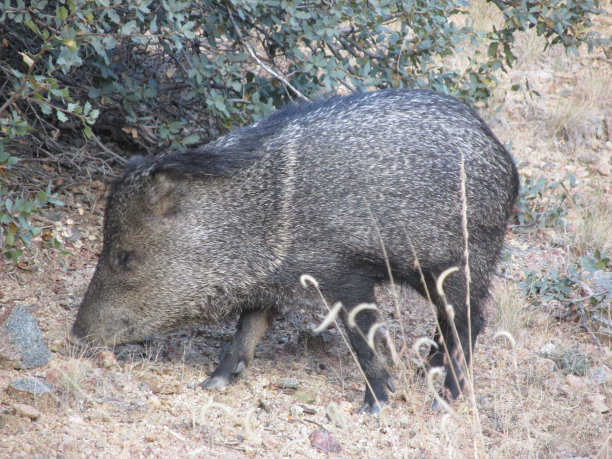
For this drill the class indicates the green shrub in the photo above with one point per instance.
(16, 229)
(178, 72)
(542, 203)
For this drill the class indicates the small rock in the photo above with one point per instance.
(150, 438)
(288, 383)
(304, 397)
(599, 403)
(26, 411)
(73, 236)
(600, 374)
(106, 359)
(296, 410)
(602, 283)
(32, 391)
(21, 342)
(576, 382)
(603, 167)
(548, 349)
(324, 441)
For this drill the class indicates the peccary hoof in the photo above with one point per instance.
(220, 379)
(390, 384)
(215, 382)
(374, 410)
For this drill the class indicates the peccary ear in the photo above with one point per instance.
(163, 194)
(173, 170)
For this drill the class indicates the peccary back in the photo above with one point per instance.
(335, 189)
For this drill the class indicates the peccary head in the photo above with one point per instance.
(152, 273)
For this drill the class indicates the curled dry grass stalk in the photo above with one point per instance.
(200, 414)
(399, 358)
(306, 280)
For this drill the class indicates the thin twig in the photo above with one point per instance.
(114, 155)
(260, 62)
(585, 326)
(507, 276)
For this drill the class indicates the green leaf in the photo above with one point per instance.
(61, 13)
(61, 116)
(191, 139)
(33, 27)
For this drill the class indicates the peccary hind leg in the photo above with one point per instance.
(356, 291)
(452, 354)
(251, 327)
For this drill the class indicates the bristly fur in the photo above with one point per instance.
(312, 189)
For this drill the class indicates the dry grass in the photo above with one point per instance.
(593, 229)
(509, 309)
(579, 114)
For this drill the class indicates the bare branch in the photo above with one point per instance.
(276, 75)
(501, 5)
(114, 155)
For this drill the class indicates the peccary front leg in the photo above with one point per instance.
(358, 291)
(251, 327)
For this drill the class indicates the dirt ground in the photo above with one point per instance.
(144, 401)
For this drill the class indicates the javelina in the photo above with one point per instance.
(313, 189)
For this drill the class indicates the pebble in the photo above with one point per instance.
(27, 411)
(324, 441)
(576, 382)
(288, 383)
(598, 402)
(548, 349)
(600, 374)
(32, 391)
(296, 410)
(21, 342)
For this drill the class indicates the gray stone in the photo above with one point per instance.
(288, 383)
(600, 374)
(21, 342)
(32, 391)
(602, 284)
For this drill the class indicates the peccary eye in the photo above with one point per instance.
(125, 260)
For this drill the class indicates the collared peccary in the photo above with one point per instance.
(341, 190)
